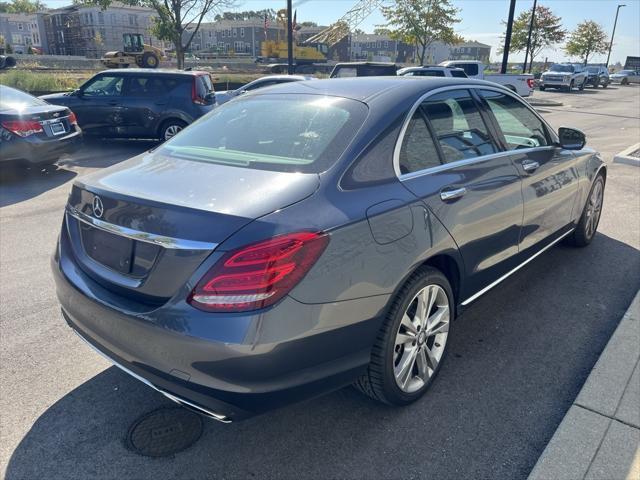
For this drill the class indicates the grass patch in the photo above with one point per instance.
(42, 81)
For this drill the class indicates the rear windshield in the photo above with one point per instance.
(12, 99)
(291, 133)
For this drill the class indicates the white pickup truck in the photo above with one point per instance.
(522, 84)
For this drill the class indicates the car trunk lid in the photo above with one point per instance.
(145, 225)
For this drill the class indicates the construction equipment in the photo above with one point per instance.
(135, 52)
(331, 35)
(277, 49)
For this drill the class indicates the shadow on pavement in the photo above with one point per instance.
(518, 358)
(20, 181)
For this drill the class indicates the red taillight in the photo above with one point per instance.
(197, 99)
(258, 275)
(23, 128)
(72, 119)
(530, 82)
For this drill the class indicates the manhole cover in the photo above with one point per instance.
(164, 431)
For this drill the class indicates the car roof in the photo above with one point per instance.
(429, 67)
(158, 71)
(284, 77)
(368, 89)
(368, 64)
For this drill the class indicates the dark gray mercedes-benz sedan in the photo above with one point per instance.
(316, 234)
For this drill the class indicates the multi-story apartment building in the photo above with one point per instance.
(366, 46)
(234, 36)
(19, 32)
(471, 50)
(91, 31)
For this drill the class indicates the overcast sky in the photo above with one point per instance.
(481, 19)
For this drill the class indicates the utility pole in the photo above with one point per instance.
(507, 38)
(613, 33)
(526, 53)
(289, 39)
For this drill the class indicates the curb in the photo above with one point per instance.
(544, 103)
(599, 437)
(625, 156)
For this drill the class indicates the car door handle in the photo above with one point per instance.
(530, 165)
(114, 104)
(446, 195)
(160, 103)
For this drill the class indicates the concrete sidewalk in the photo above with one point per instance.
(599, 438)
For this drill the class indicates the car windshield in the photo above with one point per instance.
(12, 99)
(561, 68)
(291, 133)
(592, 69)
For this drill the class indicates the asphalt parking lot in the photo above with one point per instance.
(518, 357)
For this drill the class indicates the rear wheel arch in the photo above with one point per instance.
(449, 268)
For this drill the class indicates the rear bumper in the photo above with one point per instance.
(268, 359)
(39, 151)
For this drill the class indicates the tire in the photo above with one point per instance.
(624, 81)
(542, 89)
(149, 60)
(605, 85)
(170, 128)
(596, 83)
(588, 223)
(582, 85)
(396, 347)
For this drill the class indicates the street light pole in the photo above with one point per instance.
(289, 39)
(526, 53)
(613, 33)
(507, 37)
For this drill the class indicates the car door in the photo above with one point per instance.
(98, 107)
(145, 98)
(449, 159)
(634, 77)
(549, 174)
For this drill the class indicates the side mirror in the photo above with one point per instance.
(571, 138)
(210, 97)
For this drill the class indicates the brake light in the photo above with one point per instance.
(258, 275)
(72, 119)
(197, 99)
(530, 82)
(23, 128)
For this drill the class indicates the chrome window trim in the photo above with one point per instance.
(511, 272)
(162, 240)
(466, 161)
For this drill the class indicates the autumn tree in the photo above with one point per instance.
(587, 39)
(178, 21)
(546, 32)
(421, 23)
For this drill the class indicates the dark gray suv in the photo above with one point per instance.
(317, 234)
(139, 102)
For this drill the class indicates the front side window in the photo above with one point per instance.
(418, 150)
(458, 125)
(471, 69)
(458, 74)
(291, 133)
(103, 86)
(520, 126)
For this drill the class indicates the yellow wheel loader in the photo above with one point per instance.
(135, 52)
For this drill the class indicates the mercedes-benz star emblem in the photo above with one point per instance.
(98, 208)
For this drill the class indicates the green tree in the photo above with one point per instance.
(178, 21)
(22, 6)
(588, 38)
(547, 32)
(421, 23)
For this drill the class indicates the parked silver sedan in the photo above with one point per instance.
(625, 77)
(226, 95)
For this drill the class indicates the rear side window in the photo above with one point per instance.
(430, 73)
(418, 150)
(471, 69)
(458, 125)
(345, 72)
(458, 74)
(520, 126)
(204, 86)
(292, 133)
(151, 86)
